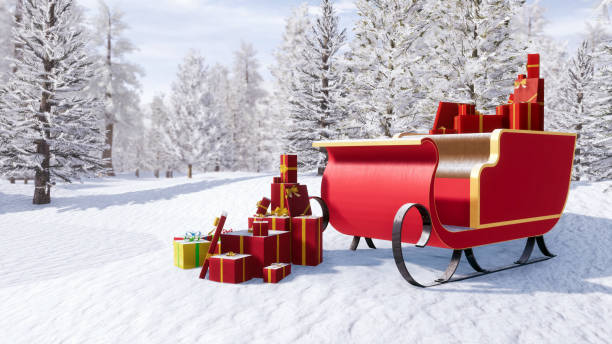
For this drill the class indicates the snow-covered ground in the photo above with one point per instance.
(95, 266)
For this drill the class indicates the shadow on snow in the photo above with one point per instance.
(580, 242)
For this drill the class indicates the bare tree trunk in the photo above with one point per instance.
(189, 170)
(42, 178)
(137, 173)
(42, 187)
(108, 151)
(12, 180)
(25, 180)
(217, 168)
(156, 173)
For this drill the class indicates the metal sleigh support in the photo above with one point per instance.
(456, 256)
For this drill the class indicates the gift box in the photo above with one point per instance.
(297, 201)
(277, 190)
(528, 90)
(504, 111)
(467, 109)
(231, 268)
(306, 240)
(442, 130)
(276, 272)
(288, 168)
(262, 206)
(190, 254)
(527, 116)
(276, 180)
(274, 248)
(278, 223)
(260, 228)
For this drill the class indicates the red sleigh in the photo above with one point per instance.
(489, 185)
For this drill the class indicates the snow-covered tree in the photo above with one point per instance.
(472, 51)
(54, 130)
(571, 108)
(160, 152)
(384, 94)
(246, 92)
(192, 109)
(6, 46)
(315, 89)
(218, 136)
(598, 149)
(118, 84)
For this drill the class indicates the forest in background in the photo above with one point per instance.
(70, 100)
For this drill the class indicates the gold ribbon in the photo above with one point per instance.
(292, 191)
(284, 168)
(230, 254)
(261, 206)
(443, 129)
(518, 83)
(306, 210)
(280, 211)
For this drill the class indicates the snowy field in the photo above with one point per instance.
(95, 266)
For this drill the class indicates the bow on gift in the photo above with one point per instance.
(193, 236)
(292, 191)
(280, 211)
(230, 253)
(518, 83)
(284, 168)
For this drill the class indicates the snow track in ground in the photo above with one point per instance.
(96, 266)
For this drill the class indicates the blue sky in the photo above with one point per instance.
(164, 30)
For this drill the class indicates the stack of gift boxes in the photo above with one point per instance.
(281, 232)
(524, 110)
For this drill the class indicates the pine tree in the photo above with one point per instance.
(160, 153)
(598, 148)
(219, 130)
(246, 92)
(118, 84)
(6, 46)
(571, 108)
(315, 112)
(384, 93)
(191, 111)
(53, 121)
(473, 54)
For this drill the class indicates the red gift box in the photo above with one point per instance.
(288, 168)
(504, 111)
(276, 180)
(527, 116)
(231, 268)
(277, 190)
(274, 248)
(307, 240)
(276, 272)
(262, 206)
(297, 201)
(467, 109)
(442, 130)
(260, 228)
(276, 223)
